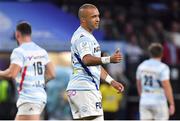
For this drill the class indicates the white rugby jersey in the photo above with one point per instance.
(83, 43)
(30, 81)
(151, 73)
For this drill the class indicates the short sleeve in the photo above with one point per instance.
(17, 58)
(84, 46)
(165, 74)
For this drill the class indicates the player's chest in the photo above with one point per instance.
(96, 49)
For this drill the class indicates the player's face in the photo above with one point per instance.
(92, 18)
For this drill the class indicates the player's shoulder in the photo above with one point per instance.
(80, 34)
(39, 48)
(18, 50)
(164, 66)
(143, 63)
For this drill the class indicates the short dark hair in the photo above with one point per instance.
(24, 28)
(155, 50)
(85, 6)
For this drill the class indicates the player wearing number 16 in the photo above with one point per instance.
(30, 67)
(154, 87)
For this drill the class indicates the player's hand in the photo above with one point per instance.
(116, 57)
(118, 86)
(171, 109)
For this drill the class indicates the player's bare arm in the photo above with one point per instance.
(106, 77)
(11, 72)
(139, 88)
(49, 72)
(90, 60)
(169, 94)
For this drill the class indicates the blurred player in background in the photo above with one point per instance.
(30, 67)
(154, 87)
(83, 88)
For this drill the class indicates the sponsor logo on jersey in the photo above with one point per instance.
(98, 105)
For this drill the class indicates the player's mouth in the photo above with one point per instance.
(97, 24)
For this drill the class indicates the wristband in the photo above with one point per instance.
(105, 60)
(109, 79)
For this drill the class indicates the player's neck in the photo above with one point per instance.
(158, 59)
(25, 39)
(86, 28)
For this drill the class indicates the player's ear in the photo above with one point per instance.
(17, 34)
(83, 20)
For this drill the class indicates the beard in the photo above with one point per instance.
(96, 26)
(93, 26)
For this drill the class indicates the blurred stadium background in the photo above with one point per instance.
(130, 25)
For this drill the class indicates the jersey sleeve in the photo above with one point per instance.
(165, 74)
(84, 46)
(17, 58)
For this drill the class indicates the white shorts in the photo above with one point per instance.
(157, 112)
(85, 103)
(28, 108)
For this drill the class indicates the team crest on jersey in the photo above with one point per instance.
(84, 46)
